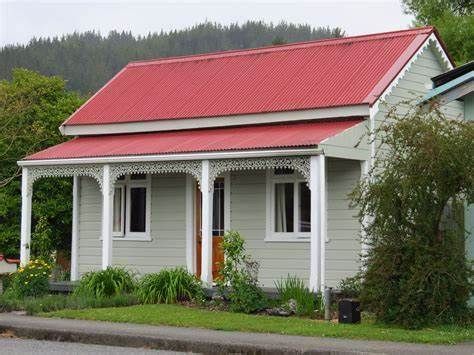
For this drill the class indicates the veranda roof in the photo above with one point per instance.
(307, 134)
(310, 75)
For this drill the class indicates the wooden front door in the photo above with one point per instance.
(217, 228)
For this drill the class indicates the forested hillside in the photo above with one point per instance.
(88, 60)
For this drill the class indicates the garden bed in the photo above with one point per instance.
(184, 316)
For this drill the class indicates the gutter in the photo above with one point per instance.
(172, 157)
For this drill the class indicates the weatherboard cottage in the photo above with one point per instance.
(173, 152)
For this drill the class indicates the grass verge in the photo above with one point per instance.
(181, 316)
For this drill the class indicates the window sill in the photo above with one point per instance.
(287, 239)
(131, 239)
(134, 238)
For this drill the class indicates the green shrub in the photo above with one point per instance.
(239, 276)
(6, 280)
(293, 288)
(169, 286)
(350, 287)
(10, 302)
(32, 280)
(106, 283)
(415, 271)
(246, 297)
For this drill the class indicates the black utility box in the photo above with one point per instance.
(349, 311)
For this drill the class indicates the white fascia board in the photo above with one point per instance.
(220, 121)
(172, 157)
(432, 40)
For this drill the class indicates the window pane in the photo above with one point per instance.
(138, 177)
(117, 220)
(305, 208)
(137, 209)
(218, 209)
(284, 211)
(121, 177)
(283, 171)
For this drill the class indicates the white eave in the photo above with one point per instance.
(220, 121)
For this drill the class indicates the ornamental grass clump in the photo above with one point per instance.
(169, 286)
(106, 283)
(293, 288)
(31, 280)
(411, 208)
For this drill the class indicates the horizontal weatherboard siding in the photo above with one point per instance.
(167, 247)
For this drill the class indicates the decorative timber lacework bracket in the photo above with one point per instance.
(192, 167)
(35, 173)
(300, 164)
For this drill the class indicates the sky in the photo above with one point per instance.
(22, 20)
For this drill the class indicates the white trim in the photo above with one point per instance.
(219, 121)
(323, 218)
(364, 173)
(373, 112)
(206, 225)
(107, 205)
(75, 229)
(432, 40)
(271, 235)
(172, 157)
(25, 237)
(190, 239)
(61, 128)
(120, 234)
(129, 184)
(315, 245)
(133, 239)
(286, 239)
(227, 182)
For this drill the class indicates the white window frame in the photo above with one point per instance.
(271, 235)
(127, 184)
(121, 232)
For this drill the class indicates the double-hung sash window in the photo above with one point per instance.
(290, 209)
(131, 208)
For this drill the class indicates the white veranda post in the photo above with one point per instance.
(26, 192)
(318, 222)
(107, 205)
(206, 227)
(75, 229)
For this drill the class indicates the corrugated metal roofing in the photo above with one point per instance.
(198, 140)
(325, 73)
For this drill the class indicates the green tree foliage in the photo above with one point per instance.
(32, 107)
(416, 272)
(454, 19)
(87, 60)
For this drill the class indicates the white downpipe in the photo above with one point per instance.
(107, 203)
(75, 229)
(25, 236)
(206, 228)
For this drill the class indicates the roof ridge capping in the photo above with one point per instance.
(294, 45)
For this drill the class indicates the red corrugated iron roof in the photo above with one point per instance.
(198, 140)
(324, 73)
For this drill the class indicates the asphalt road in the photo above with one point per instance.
(39, 347)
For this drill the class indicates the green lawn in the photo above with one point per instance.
(181, 316)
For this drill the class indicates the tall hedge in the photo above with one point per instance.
(416, 272)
